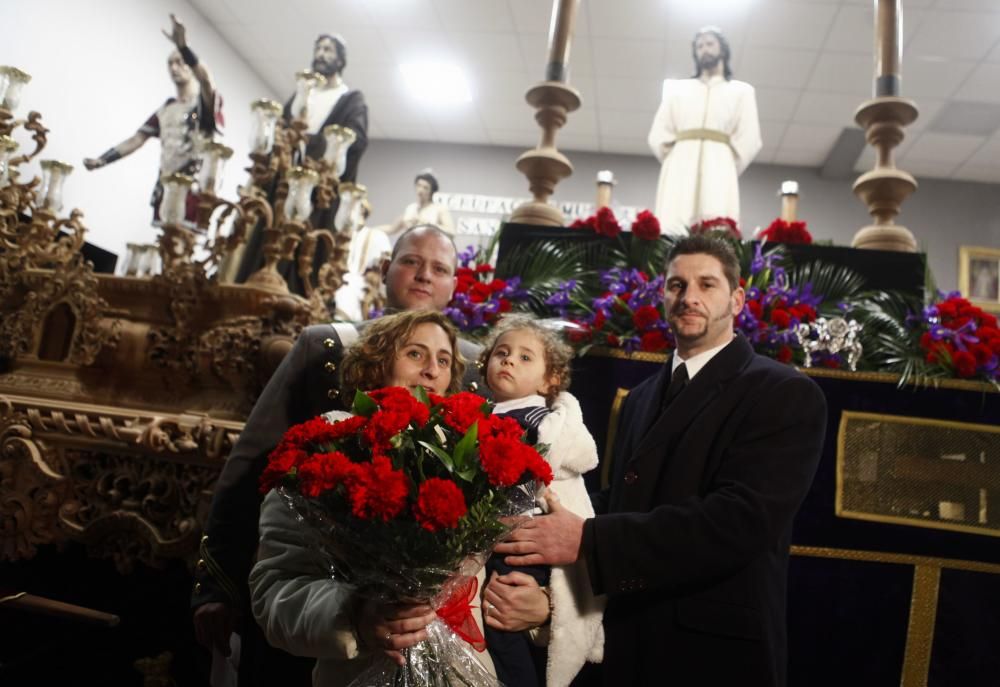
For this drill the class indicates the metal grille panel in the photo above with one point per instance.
(919, 472)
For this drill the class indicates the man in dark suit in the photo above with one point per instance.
(713, 458)
(420, 274)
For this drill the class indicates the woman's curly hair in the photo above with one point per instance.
(367, 364)
(558, 354)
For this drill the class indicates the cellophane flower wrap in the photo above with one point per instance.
(403, 501)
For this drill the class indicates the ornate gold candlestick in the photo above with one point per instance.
(12, 81)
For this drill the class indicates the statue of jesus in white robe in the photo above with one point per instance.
(705, 133)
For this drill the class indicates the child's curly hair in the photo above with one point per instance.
(368, 362)
(558, 354)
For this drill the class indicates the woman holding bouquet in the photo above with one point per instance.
(295, 600)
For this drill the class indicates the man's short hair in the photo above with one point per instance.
(338, 42)
(719, 249)
(423, 227)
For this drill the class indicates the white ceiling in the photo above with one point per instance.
(810, 61)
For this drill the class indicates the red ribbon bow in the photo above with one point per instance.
(456, 613)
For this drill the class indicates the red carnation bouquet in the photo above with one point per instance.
(404, 501)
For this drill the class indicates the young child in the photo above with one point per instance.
(527, 367)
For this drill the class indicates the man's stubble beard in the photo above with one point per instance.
(325, 68)
(703, 331)
(707, 62)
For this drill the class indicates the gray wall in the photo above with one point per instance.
(941, 214)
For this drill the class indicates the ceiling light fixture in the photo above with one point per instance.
(436, 83)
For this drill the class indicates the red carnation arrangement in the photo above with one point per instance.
(786, 232)
(603, 223)
(960, 339)
(404, 499)
(724, 225)
(646, 226)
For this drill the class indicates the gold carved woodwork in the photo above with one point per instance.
(130, 485)
(284, 239)
(155, 670)
(373, 299)
(121, 397)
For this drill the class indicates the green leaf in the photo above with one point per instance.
(468, 474)
(363, 404)
(421, 394)
(442, 455)
(465, 448)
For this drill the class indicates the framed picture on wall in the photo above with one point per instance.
(979, 276)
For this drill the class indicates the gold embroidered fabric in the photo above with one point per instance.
(919, 472)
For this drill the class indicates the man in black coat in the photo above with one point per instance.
(714, 456)
(420, 274)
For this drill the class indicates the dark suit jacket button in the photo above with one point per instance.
(631, 477)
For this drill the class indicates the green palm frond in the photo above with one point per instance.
(890, 344)
(835, 283)
(544, 265)
(544, 261)
(930, 284)
(490, 249)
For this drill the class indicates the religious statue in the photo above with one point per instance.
(330, 102)
(705, 134)
(369, 247)
(425, 210)
(194, 114)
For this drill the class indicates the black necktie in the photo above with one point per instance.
(677, 383)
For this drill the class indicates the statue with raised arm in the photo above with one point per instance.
(194, 113)
(705, 134)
